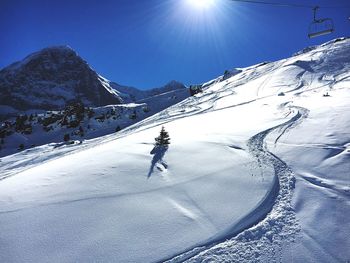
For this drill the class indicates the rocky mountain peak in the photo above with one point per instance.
(50, 78)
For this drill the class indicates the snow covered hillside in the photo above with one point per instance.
(257, 171)
(78, 122)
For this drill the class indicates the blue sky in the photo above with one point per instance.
(146, 43)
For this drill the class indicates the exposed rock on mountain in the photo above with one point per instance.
(51, 78)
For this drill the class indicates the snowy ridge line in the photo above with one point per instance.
(253, 73)
(273, 220)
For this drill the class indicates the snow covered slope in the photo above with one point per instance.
(257, 170)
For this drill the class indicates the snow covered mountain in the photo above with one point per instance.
(257, 171)
(53, 77)
(50, 78)
(37, 92)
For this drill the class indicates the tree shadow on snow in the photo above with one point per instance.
(158, 154)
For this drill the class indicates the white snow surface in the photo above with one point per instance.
(249, 176)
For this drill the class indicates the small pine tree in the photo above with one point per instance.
(117, 129)
(21, 146)
(163, 139)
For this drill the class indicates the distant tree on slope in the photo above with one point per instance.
(163, 139)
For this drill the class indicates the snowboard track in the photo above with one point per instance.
(260, 235)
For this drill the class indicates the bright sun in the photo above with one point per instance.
(201, 4)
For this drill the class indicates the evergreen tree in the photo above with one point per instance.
(163, 139)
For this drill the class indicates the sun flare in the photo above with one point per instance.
(201, 4)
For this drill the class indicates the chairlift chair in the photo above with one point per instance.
(319, 27)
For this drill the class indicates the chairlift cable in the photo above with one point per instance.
(273, 3)
(286, 4)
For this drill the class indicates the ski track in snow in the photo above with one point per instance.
(259, 235)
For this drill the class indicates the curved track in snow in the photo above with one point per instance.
(258, 235)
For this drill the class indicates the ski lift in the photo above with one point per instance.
(319, 27)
